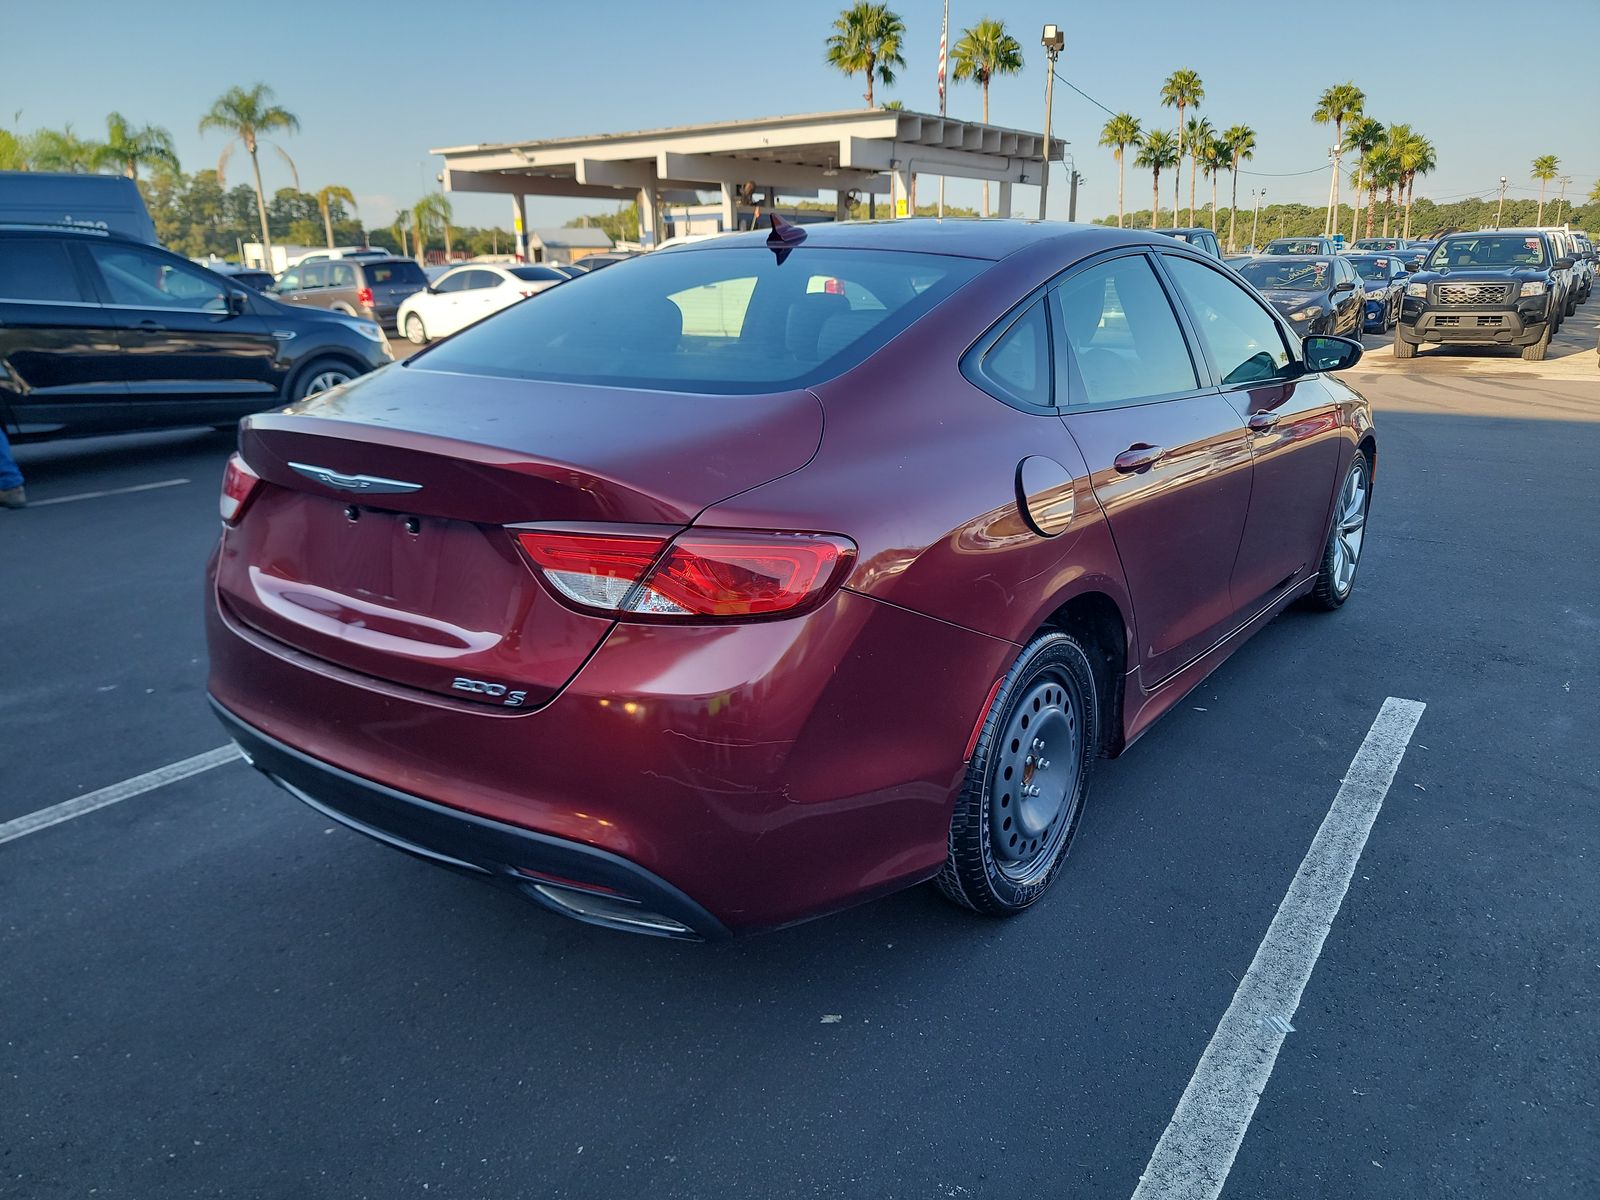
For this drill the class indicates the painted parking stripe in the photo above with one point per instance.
(1195, 1154)
(138, 487)
(126, 790)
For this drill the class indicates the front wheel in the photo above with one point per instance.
(1537, 351)
(1342, 553)
(1027, 781)
(1403, 348)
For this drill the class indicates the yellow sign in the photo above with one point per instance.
(900, 206)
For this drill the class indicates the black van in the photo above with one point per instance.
(106, 202)
(101, 334)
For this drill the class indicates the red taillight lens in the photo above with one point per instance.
(239, 484)
(833, 287)
(703, 574)
(364, 296)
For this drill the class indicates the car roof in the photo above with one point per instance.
(965, 237)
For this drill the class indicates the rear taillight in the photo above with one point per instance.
(364, 296)
(529, 292)
(239, 484)
(699, 575)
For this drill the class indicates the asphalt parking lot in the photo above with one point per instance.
(210, 991)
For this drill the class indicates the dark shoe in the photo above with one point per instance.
(13, 498)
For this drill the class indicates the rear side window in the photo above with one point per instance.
(1244, 341)
(341, 275)
(1125, 338)
(729, 321)
(384, 274)
(38, 269)
(536, 274)
(1019, 361)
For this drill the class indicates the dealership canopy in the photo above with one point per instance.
(858, 152)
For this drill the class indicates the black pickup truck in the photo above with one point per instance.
(1488, 288)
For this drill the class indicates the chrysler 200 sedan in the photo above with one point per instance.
(742, 583)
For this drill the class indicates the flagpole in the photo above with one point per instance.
(944, 42)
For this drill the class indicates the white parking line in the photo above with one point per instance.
(138, 487)
(128, 788)
(1195, 1154)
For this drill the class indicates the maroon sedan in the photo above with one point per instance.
(749, 580)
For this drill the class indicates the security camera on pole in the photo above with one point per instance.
(1053, 41)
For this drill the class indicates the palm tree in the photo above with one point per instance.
(1241, 143)
(866, 38)
(1158, 150)
(1418, 158)
(244, 116)
(1386, 168)
(1545, 168)
(984, 51)
(61, 150)
(1200, 135)
(1214, 158)
(428, 214)
(1120, 132)
(127, 149)
(325, 199)
(1337, 105)
(1182, 89)
(1364, 133)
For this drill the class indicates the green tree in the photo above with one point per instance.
(127, 148)
(1545, 168)
(326, 199)
(1338, 104)
(1364, 133)
(1214, 159)
(1181, 91)
(866, 39)
(1199, 134)
(1418, 157)
(1120, 132)
(1241, 143)
(429, 215)
(984, 51)
(1158, 151)
(12, 156)
(61, 150)
(245, 115)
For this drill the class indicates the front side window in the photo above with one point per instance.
(140, 278)
(314, 275)
(1242, 338)
(729, 321)
(38, 269)
(1124, 337)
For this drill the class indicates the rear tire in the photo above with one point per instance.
(415, 333)
(1346, 536)
(1537, 351)
(1403, 348)
(1026, 785)
(319, 375)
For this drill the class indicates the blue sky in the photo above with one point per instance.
(1492, 90)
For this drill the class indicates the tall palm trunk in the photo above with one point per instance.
(1233, 209)
(872, 69)
(1410, 186)
(1372, 206)
(1213, 203)
(1194, 169)
(1121, 168)
(1539, 220)
(261, 206)
(327, 224)
(1355, 208)
(1177, 171)
(1388, 207)
(986, 121)
(1155, 198)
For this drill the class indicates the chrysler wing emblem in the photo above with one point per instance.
(354, 483)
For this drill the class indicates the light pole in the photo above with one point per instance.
(1501, 207)
(1052, 39)
(1255, 246)
(1562, 202)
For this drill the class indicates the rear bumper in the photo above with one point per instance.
(616, 893)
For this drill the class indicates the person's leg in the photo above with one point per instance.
(10, 475)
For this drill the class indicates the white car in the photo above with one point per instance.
(469, 293)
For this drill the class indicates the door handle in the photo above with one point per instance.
(154, 326)
(1260, 422)
(1138, 458)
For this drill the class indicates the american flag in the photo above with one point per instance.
(944, 38)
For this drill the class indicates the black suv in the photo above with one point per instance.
(1200, 238)
(1489, 288)
(101, 334)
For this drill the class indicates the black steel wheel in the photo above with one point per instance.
(1025, 788)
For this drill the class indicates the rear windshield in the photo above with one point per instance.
(393, 273)
(728, 321)
(1498, 250)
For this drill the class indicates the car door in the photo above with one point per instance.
(60, 354)
(1168, 456)
(191, 344)
(442, 311)
(1352, 301)
(1293, 423)
(344, 289)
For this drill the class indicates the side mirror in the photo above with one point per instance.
(1563, 264)
(431, 290)
(1325, 353)
(1344, 285)
(237, 303)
